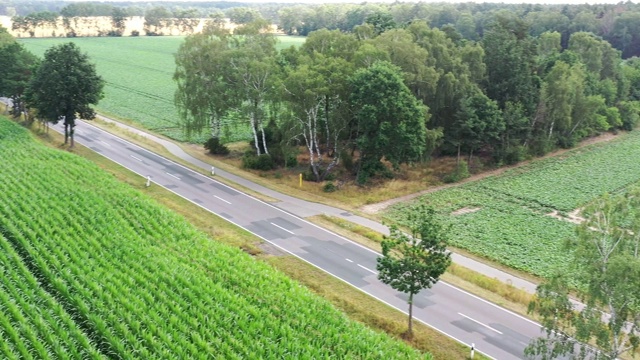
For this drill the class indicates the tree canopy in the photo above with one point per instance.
(391, 121)
(64, 87)
(16, 68)
(413, 262)
(606, 263)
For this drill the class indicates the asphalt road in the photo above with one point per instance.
(495, 332)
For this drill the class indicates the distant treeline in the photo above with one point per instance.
(618, 24)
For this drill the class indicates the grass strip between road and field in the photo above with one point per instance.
(355, 304)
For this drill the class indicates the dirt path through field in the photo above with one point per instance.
(377, 207)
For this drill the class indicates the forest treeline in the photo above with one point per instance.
(403, 93)
(619, 24)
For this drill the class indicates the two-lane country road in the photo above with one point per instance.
(495, 331)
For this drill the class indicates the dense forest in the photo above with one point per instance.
(376, 86)
(403, 93)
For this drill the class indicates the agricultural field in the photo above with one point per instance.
(506, 218)
(138, 72)
(92, 268)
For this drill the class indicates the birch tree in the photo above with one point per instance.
(252, 70)
(203, 95)
(606, 263)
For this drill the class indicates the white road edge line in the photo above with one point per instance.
(136, 158)
(478, 322)
(402, 310)
(280, 227)
(369, 270)
(172, 175)
(349, 260)
(221, 199)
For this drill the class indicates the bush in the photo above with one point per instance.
(309, 176)
(216, 147)
(461, 172)
(515, 154)
(262, 162)
(329, 187)
(347, 160)
(135, 33)
(291, 160)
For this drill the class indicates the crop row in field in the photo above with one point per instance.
(567, 182)
(143, 283)
(33, 325)
(508, 220)
(138, 72)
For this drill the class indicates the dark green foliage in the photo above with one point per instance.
(262, 162)
(510, 60)
(630, 114)
(391, 121)
(461, 172)
(329, 187)
(65, 86)
(514, 155)
(214, 146)
(347, 160)
(16, 68)
(381, 22)
(310, 176)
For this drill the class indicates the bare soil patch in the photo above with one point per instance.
(572, 217)
(465, 210)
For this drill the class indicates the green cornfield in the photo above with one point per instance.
(91, 268)
(138, 72)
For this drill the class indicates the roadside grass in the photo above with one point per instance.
(354, 303)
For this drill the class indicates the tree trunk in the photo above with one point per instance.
(264, 139)
(410, 331)
(215, 127)
(70, 119)
(66, 132)
(458, 158)
(255, 134)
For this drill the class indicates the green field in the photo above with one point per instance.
(511, 225)
(92, 268)
(138, 72)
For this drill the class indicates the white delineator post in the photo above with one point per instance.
(213, 171)
(473, 350)
(148, 181)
